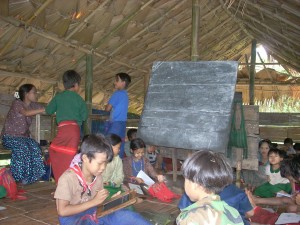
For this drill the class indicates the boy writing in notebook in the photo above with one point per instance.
(80, 188)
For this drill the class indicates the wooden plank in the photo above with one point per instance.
(279, 119)
(294, 133)
(251, 112)
(275, 134)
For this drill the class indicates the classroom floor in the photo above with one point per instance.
(39, 208)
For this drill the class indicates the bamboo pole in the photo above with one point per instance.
(80, 26)
(247, 64)
(238, 21)
(195, 30)
(270, 40)
(25, 76)
(269, 75)
(88, 91)
(121, 24)
(68, 44)
(273, 15)
(271, 29)
(252, 73)
(27, 23)
(147, 28)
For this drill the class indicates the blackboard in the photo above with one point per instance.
(189, 105)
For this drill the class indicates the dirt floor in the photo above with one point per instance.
(39, 207)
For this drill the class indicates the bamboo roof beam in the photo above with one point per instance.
(290, 8)
(26, 23)
(270, 40)
(237, 20)
(139, 33)
(147, 27)
(68, 44)
(26, 76)
(121, 24)
(80, 26)
(272, 15)
(262, 61)
(271, 29)
(279, 54)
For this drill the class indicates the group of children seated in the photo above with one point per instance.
(209, 198)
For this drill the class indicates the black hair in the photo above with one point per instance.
(70, 78)
(297, 146)
(114, 139)
(136, 144)
(24, 89)
(209, 169)
(288, 141)
(96, 143)
(265, 141)
(291, 168)
(124, 77)
(130, 133)
(281, 153)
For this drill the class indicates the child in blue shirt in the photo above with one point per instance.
(118, 108)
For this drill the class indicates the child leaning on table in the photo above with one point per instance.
(80, 188)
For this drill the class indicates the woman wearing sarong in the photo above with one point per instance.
(26, 161)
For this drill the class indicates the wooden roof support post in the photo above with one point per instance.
(252, 72)
(195, 30)
(88, 91)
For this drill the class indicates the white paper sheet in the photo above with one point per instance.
(280, 194)
(135, 187)
(147, 180)
(285, 218)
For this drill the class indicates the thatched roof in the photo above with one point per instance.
(40, 39)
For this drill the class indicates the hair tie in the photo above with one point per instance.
(16, 95)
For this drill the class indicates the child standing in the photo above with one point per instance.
(276, 182)
(118, 106)
(131, 134)
(80, 189)
(71, 111)
(26, 161)
(134, 164)
(207, 173)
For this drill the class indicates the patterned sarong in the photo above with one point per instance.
(64, 147)
(26, 160)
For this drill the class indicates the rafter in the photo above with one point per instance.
(67, 44)
(26, 23)
(21, 75)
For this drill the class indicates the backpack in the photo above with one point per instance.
(162, 192)
(9, 183)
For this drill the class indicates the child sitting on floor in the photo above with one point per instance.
(134, 164)
(154, 157)
(207, 173)
(80, 188)
(113, 174)
(276, 182)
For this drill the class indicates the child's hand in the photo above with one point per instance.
(139, 180)
(118, 193)
(160, 178)
(101, 196)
